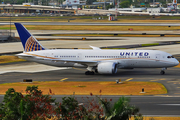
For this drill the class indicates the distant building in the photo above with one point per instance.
(154, 10)
(27, 4)
(129, 9)
(155, 4)
(70, 4)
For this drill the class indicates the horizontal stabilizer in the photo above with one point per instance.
(95, 48)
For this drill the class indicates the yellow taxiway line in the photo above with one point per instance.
(129, 79)
(78, 69)
(158, 79)
(63, 79)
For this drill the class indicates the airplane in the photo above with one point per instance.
(172, 7)
(96, 60)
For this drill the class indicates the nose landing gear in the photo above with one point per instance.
(163, 71)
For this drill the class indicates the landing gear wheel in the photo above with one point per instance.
(162, 72)
(96, 71)
(89, 73)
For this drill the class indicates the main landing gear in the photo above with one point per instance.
(89, 73)
(163, 71)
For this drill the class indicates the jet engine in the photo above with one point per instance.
(107, 68)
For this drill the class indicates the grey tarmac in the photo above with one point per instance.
(157, 105)
(98, 42)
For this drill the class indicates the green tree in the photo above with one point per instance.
(89, 2)
(34, 105)
(70, 109)
(11, 109)
(45, 2)
(121, 110)
(125, 4)
(109, 6)
(40, 105)
(19, 2)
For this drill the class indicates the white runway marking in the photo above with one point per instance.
(171, 104)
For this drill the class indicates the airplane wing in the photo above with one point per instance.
(83, 62)
(95, 48)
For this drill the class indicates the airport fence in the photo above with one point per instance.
(5, 34)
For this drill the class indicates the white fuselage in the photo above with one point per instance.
(124, 58)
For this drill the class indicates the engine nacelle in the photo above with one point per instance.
(107, 68)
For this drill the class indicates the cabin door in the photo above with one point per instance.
(157, 57)
(79, 56)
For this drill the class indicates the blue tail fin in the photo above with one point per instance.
(29, 42)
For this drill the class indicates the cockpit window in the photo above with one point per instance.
(170, 57)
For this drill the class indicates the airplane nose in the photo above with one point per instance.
(176, 62)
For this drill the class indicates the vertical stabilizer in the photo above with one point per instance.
(29, 42)
(174, 2)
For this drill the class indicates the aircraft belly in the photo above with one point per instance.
(142, 64)
(136, 64)
(149, 64)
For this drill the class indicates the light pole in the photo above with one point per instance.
(10, 25)
(104, 4)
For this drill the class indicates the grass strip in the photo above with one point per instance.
(114, 48)
(151, 44)
(85, 88)
(9, 59)
(94, 28)
(131, 19)
(119, 35)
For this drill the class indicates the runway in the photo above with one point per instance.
(168, 104)
(94, 23)
(148, 105)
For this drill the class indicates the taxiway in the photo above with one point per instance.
(157, 105)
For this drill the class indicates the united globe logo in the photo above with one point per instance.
(32, 45)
